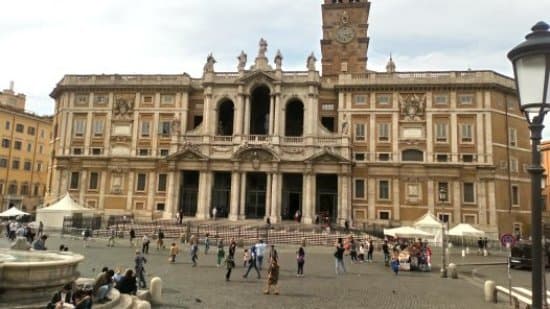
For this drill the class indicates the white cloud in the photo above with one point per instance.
(40, 45)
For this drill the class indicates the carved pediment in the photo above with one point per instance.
(187, 154)
(258, 76)
(255, 154)
(326, 156)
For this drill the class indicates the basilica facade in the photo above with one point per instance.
(261, 142)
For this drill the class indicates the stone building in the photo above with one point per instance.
(261, 142)
(24, 153)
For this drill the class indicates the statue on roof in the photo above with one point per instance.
(311, 62)
(209, 66)
(278, 60)
(242, 60)
(263, 48)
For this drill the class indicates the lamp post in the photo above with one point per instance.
(531, 61)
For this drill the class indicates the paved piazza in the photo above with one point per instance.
(364, 286)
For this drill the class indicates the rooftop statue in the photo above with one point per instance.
(209, 66)
(278, 60)
(263, 48)
(311, 62)
(242, 60)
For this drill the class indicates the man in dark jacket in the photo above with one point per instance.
(103, 286)
(127, 284)
(64, 295)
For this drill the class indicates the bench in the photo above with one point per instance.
(517, 297)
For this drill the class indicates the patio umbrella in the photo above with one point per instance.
(13, 212)
(407, 232)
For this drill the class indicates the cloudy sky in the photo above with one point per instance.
(41, 40)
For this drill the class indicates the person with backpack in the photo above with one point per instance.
(230, 260)
(252, 262)
(339, 257)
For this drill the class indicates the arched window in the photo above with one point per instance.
(412, 155)
(225, 118)
(259, 111)
(294, 118)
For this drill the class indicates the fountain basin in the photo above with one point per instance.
(30, 276)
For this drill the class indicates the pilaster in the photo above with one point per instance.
(457, 202)
(454, 138)
(235, 196)
(130, 190)
(83, 186)
(169, 203)
(482, 202)
(275, 198)
(152, 180)
(242, 215)
(102, 189)
(395, 199)
(371, 189)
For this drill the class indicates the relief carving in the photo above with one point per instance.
(412, 106)
(123, 108)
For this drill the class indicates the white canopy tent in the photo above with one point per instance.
(429, 223)
(407, 232)
(464, 229)
(13, 212)
(52, 216)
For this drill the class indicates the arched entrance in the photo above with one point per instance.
(294, 118)
(225, 118)
(259, 111)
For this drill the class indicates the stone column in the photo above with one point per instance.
(271, 112)
(344, 195)
(277, 116)
(235, 196)
(431, 196)
(482, 202)
(491, 205)
(107, 135)
(454, 138)
(239, 116)
(83, 186)
(169, 204)
(154, 138)
(242, 214)
(68, 134)
(371, 189)
(204, 195)
(184, 112)
(429, 138)
(457, 202)
(275, 200)
(307, 213)
(130, 190)
(268, 192)
(479, 139)
(395, 137)
(152, 181)
(395, 199)
(102, 189)
(246, 115)
(88, 134)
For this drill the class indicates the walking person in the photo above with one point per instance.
(220, 254)
(174, 250)
(140, 261)
(339, 257)
(86, 238)
(273, 278)
(145, 244)
(273, 254)
(361, 256)
(194, 251)
(353, 250)
(300, 259)
(370, 251)
(214, 213)
(246, 257)
(480, 246)
(160, 239)
(206, 243)
(386, 251)
(252, 262)
(112, 235)
(260, 249)
(230, 260)
(395, 262)
(132, 237)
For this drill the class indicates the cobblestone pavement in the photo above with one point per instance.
(364, 286)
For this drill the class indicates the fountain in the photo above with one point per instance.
(28, 277)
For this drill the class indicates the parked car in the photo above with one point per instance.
(521, 254)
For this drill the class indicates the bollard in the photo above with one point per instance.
(467, 250)
(156, 290)
(452, 270)
(490, 291)
(463, 253)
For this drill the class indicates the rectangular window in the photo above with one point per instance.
(359, 188)
(79, 127)
(383, 99)
(514, 166)
(161, 185)
(466, 99)
(327, 107)
(513, 137)
(75, 179)
(384, 215)
(19, 128)
(41, 149)
(15, 164)
(466, 133)
(470, 219)
(99, 125)
(1, 188)
(42, 133)
(515, 195)
(167, 99)
(94, 181)
(143, 152)
(443, 192)
(444, 217)
(164, 128)
(5, 143)
(12, 188)
(147, 99)
(383, 156)
(413, 191)
(441, 132)
(441, 157)
(160, 206)
(359, 131)
(7, 125)
(145, 128)
(359, 156)
(17, 145)
(29, 147)
(96, 151)
(163, 152)
(441, 99)
(27, 166)
(81, 99)
(383, 190)
(31, 130)
(3, 162)
(139, 206)
(77, 151)
(468, 192)
(360, 99)
(141, 182)
(24, 189)
(39, 166)
(100, 99)
(468, 158)
(383, 132)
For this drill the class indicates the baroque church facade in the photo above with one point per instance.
(261, 142)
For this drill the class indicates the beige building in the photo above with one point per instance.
(262, 142)
(24, 153)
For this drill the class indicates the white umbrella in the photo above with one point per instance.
(407, 232)
(13, 212)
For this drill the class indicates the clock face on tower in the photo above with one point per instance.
(344, 34)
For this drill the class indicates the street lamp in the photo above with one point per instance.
(531, 61)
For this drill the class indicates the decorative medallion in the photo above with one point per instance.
(412, 106)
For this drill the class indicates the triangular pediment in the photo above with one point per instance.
(326, 156)
(258, 76)
(187, 154)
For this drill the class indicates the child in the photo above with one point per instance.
(395, 264)
(246, 257)
(272, 278)
(174, 250)
(221, 253)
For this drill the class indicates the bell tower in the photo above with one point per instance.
(345, 42)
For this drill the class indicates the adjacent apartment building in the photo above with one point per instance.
(24, 153)
(347, 144)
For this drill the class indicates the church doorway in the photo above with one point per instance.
(327, 197)
(189, 190)
(221, 194)
(259, 111)
(292, 196)
(256, 185)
